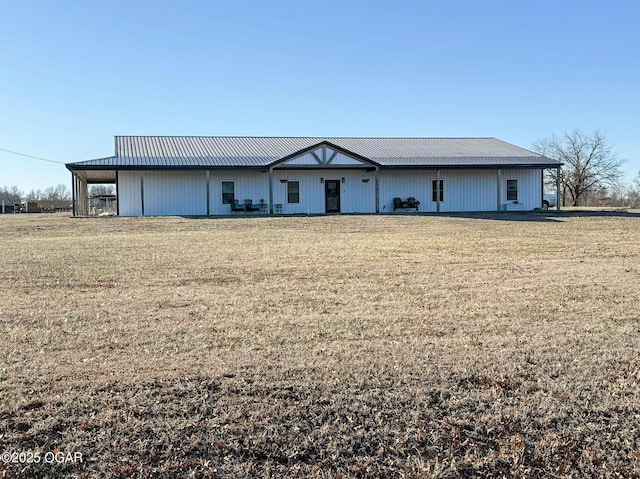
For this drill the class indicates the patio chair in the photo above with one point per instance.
(235, 206)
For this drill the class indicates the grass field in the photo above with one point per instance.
(326, 347)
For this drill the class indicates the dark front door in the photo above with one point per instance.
(332, 196)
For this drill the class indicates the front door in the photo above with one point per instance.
(332, 196)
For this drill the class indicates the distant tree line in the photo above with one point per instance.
(13, 194)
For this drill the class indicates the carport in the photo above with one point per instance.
(80, 181)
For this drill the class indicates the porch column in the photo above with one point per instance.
(73, 194)
(437, 191)
(499, 190)
(82, 196)
(558, 189)
(117, 195)
(141, 194)
(208, 195)
(377, 180)
(271, 190)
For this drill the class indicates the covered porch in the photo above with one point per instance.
(80, 181)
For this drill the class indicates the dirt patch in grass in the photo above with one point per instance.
(345, 346)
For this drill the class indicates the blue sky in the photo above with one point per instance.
(76, 73)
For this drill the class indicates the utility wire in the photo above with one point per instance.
(29, 156)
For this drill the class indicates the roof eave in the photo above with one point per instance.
(450, 166)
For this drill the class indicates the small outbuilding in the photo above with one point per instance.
(198, 175)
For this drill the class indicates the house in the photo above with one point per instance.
(197, 175)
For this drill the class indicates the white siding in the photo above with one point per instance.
(468, 190)
(129, 193)
(306, 159)
(355, 195)
(529, 187)
(175, 193)
(253, 185)
(402, 184)
(341, 159)
(464, 190)
(184, 193)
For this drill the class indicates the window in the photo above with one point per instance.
(434, 190)
(293, 192)
(228, 192)
(512, 190)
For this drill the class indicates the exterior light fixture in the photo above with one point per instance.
(283, 180)
(321, 180)
(343, 179)
(365, 180)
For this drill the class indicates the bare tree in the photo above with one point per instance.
(32, 195)
(589, 164)
(633, 193)
(60, 192)
(11, 194)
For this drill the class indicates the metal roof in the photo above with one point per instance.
(176, 152)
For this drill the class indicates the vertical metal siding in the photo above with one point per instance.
(184, 193)
(403, 184)
(129, 193)
(306, 159)
(529, 192)
(175, 193)
(464, 190)
(253, 185)
(469, 190)
(342, 159)
(355, 195)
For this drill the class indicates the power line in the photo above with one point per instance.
(29, 156)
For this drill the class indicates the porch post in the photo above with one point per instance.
(437, 191)
(117, 195)
(73, 194)
(82, 197)
(377, 180)
(558, 189)
(208, 196)
(141, 194)
(271, 190)
(499, 190)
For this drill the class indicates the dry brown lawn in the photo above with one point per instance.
(327, 347)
